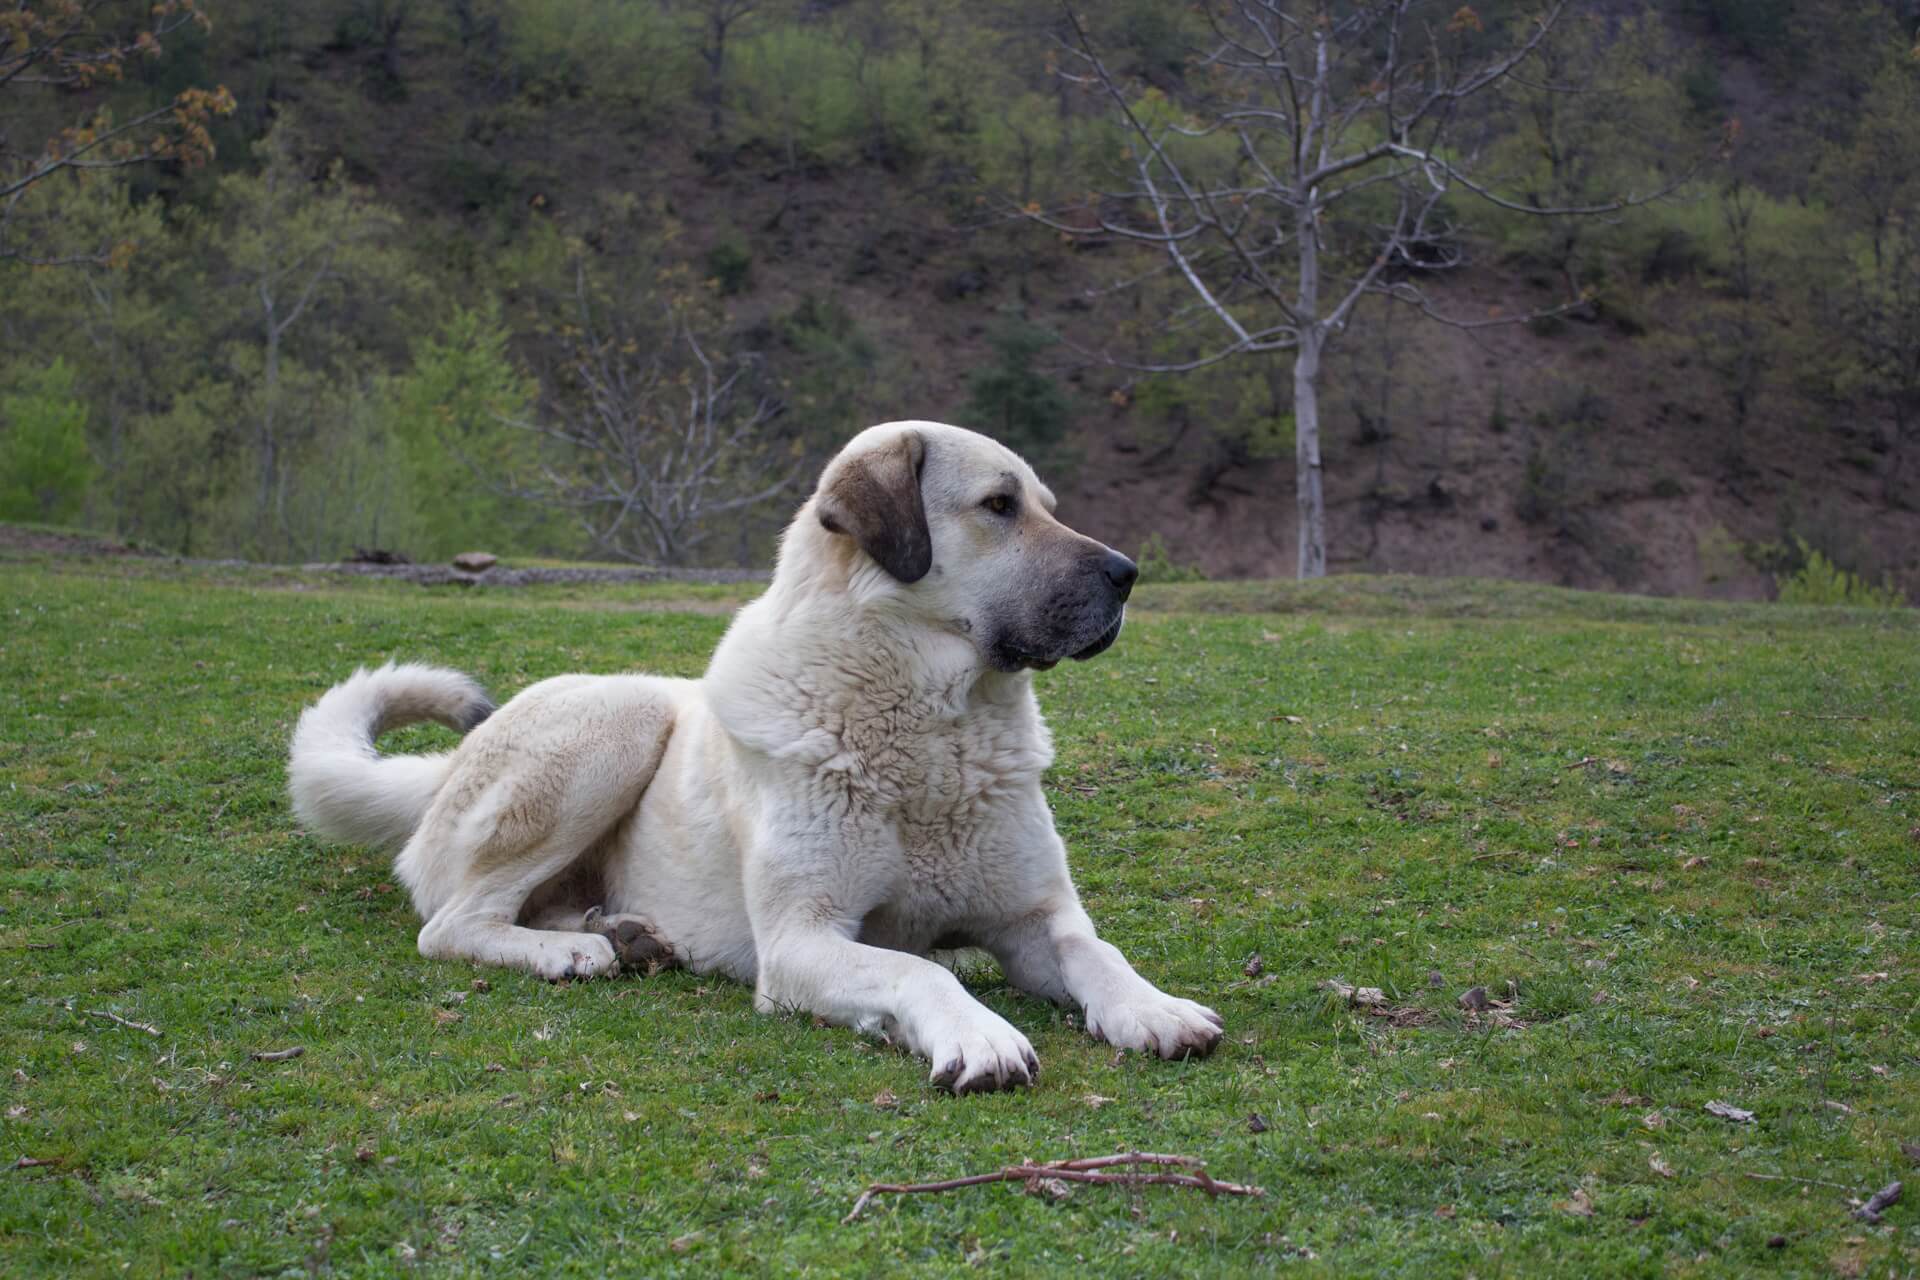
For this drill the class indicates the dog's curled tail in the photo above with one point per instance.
(346, 790)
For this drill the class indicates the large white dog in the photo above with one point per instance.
(855, 783)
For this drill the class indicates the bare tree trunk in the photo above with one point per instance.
(1306, 452)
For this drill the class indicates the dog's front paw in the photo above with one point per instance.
(1160, 1023)
(981, 1054)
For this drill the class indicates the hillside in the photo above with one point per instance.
(1689, 430)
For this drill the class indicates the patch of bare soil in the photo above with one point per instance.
(18, 540)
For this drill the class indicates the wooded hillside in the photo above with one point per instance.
(604, 278)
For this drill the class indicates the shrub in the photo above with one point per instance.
(1158, 565)
(1010, 399)
(1820, 581)
(730, 265)
(45, 465)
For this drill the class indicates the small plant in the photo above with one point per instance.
(1820, 581)
(1158, 565)
(1010, 399)
(730, 265)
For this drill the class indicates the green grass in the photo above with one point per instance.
(1371, 780)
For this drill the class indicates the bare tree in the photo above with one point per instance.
(1318, 174)
(659, 438)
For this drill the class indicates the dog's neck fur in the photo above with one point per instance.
(843, 602)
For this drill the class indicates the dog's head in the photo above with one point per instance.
(958, 530)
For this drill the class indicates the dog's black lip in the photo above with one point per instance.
(1106, 639)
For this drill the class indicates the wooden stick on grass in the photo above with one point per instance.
(147, 1027)
(278, 1055)
(1087, 1169)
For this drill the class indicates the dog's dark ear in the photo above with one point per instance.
(874, 498)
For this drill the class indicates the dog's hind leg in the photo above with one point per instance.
(531, 800)
(478, 926)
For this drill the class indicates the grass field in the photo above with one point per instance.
(1676, 844)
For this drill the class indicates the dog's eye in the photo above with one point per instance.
(1000, 504)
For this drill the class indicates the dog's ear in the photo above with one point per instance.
(874, 498)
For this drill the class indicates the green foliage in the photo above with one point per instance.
(44, 463)
(1158, 565)
(730, 265)
(810, 94)
(636, 55)
(1010, 399)
(451, 419)
(1819, 581)
(832, 375)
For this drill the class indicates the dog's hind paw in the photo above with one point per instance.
(634, 942)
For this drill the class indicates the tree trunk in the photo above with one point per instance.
(1306, 452)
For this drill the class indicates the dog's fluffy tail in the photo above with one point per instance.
(346, 790)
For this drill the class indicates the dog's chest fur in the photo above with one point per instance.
(945, 790)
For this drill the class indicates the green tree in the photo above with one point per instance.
(448, 417)
(310, 281)
(44, 463)
(1012, 400)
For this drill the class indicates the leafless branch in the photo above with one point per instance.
(147, 1027)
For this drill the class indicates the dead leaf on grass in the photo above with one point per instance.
(1579, 1204)
(1659, 1165)
(885, 1100)
(1727, 1111)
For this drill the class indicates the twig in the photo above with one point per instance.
(1082, 1170)
(147, 1027)
(278, 1055)
(1885, 1196)
(1810, 1182)
(1582, 763)
(31, 1162)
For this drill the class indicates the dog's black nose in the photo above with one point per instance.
(1121, 572)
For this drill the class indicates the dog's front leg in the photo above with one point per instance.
(1053, 952)
(808, 958)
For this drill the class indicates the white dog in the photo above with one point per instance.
(855, 783)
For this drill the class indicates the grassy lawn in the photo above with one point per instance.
(1675, 843)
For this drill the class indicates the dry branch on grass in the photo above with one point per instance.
(278, 1055)
(1088, 1169)
(147, 1027)
(1878, 1202)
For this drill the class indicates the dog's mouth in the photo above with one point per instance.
(1009, 659)
(1106, 638)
